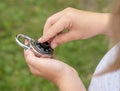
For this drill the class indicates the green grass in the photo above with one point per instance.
(28, 17)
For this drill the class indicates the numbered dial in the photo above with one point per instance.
(42, 49)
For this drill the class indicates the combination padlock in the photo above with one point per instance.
(39, 49)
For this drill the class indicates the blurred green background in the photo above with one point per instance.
(28, 17)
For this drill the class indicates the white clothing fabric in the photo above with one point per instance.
(109, 81)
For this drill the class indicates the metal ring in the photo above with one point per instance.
(24, 37)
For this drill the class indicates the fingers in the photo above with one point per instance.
(61, 24)
(54, 18)
(28, 54)
(63, 38)
(30, 57)
(42, 64)
(50, 21)
(38, 63)
(44, 67)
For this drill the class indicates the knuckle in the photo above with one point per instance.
(68, 15)
(68, 9)
(67, 20)
(49, 20)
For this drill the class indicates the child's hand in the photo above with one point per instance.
(80, 25)
(48, 68)
(64, 76)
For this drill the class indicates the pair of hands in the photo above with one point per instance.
(80, 25)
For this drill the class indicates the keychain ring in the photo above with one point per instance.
(24, 37)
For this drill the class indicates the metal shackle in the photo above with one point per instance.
(17, 38)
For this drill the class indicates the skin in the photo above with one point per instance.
(55, 71)
(80, 25)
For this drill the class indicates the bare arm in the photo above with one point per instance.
(61, 74)
(72, 83)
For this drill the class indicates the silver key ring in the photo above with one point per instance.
(24, 37)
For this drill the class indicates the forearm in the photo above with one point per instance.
(72, 85)
(95, 23)
(71, 82)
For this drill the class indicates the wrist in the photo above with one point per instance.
(106, 24)
(70, 81)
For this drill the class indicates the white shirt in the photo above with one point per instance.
(109, 81)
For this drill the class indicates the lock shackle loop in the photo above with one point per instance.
(24, 37)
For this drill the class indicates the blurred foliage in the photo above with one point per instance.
(28, 17)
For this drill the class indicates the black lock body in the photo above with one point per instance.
(43, 48)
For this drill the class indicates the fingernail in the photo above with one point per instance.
(54, 45)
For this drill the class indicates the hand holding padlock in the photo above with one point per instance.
(39, 49)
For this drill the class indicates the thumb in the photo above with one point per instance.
(29, 55)
(38, 63)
